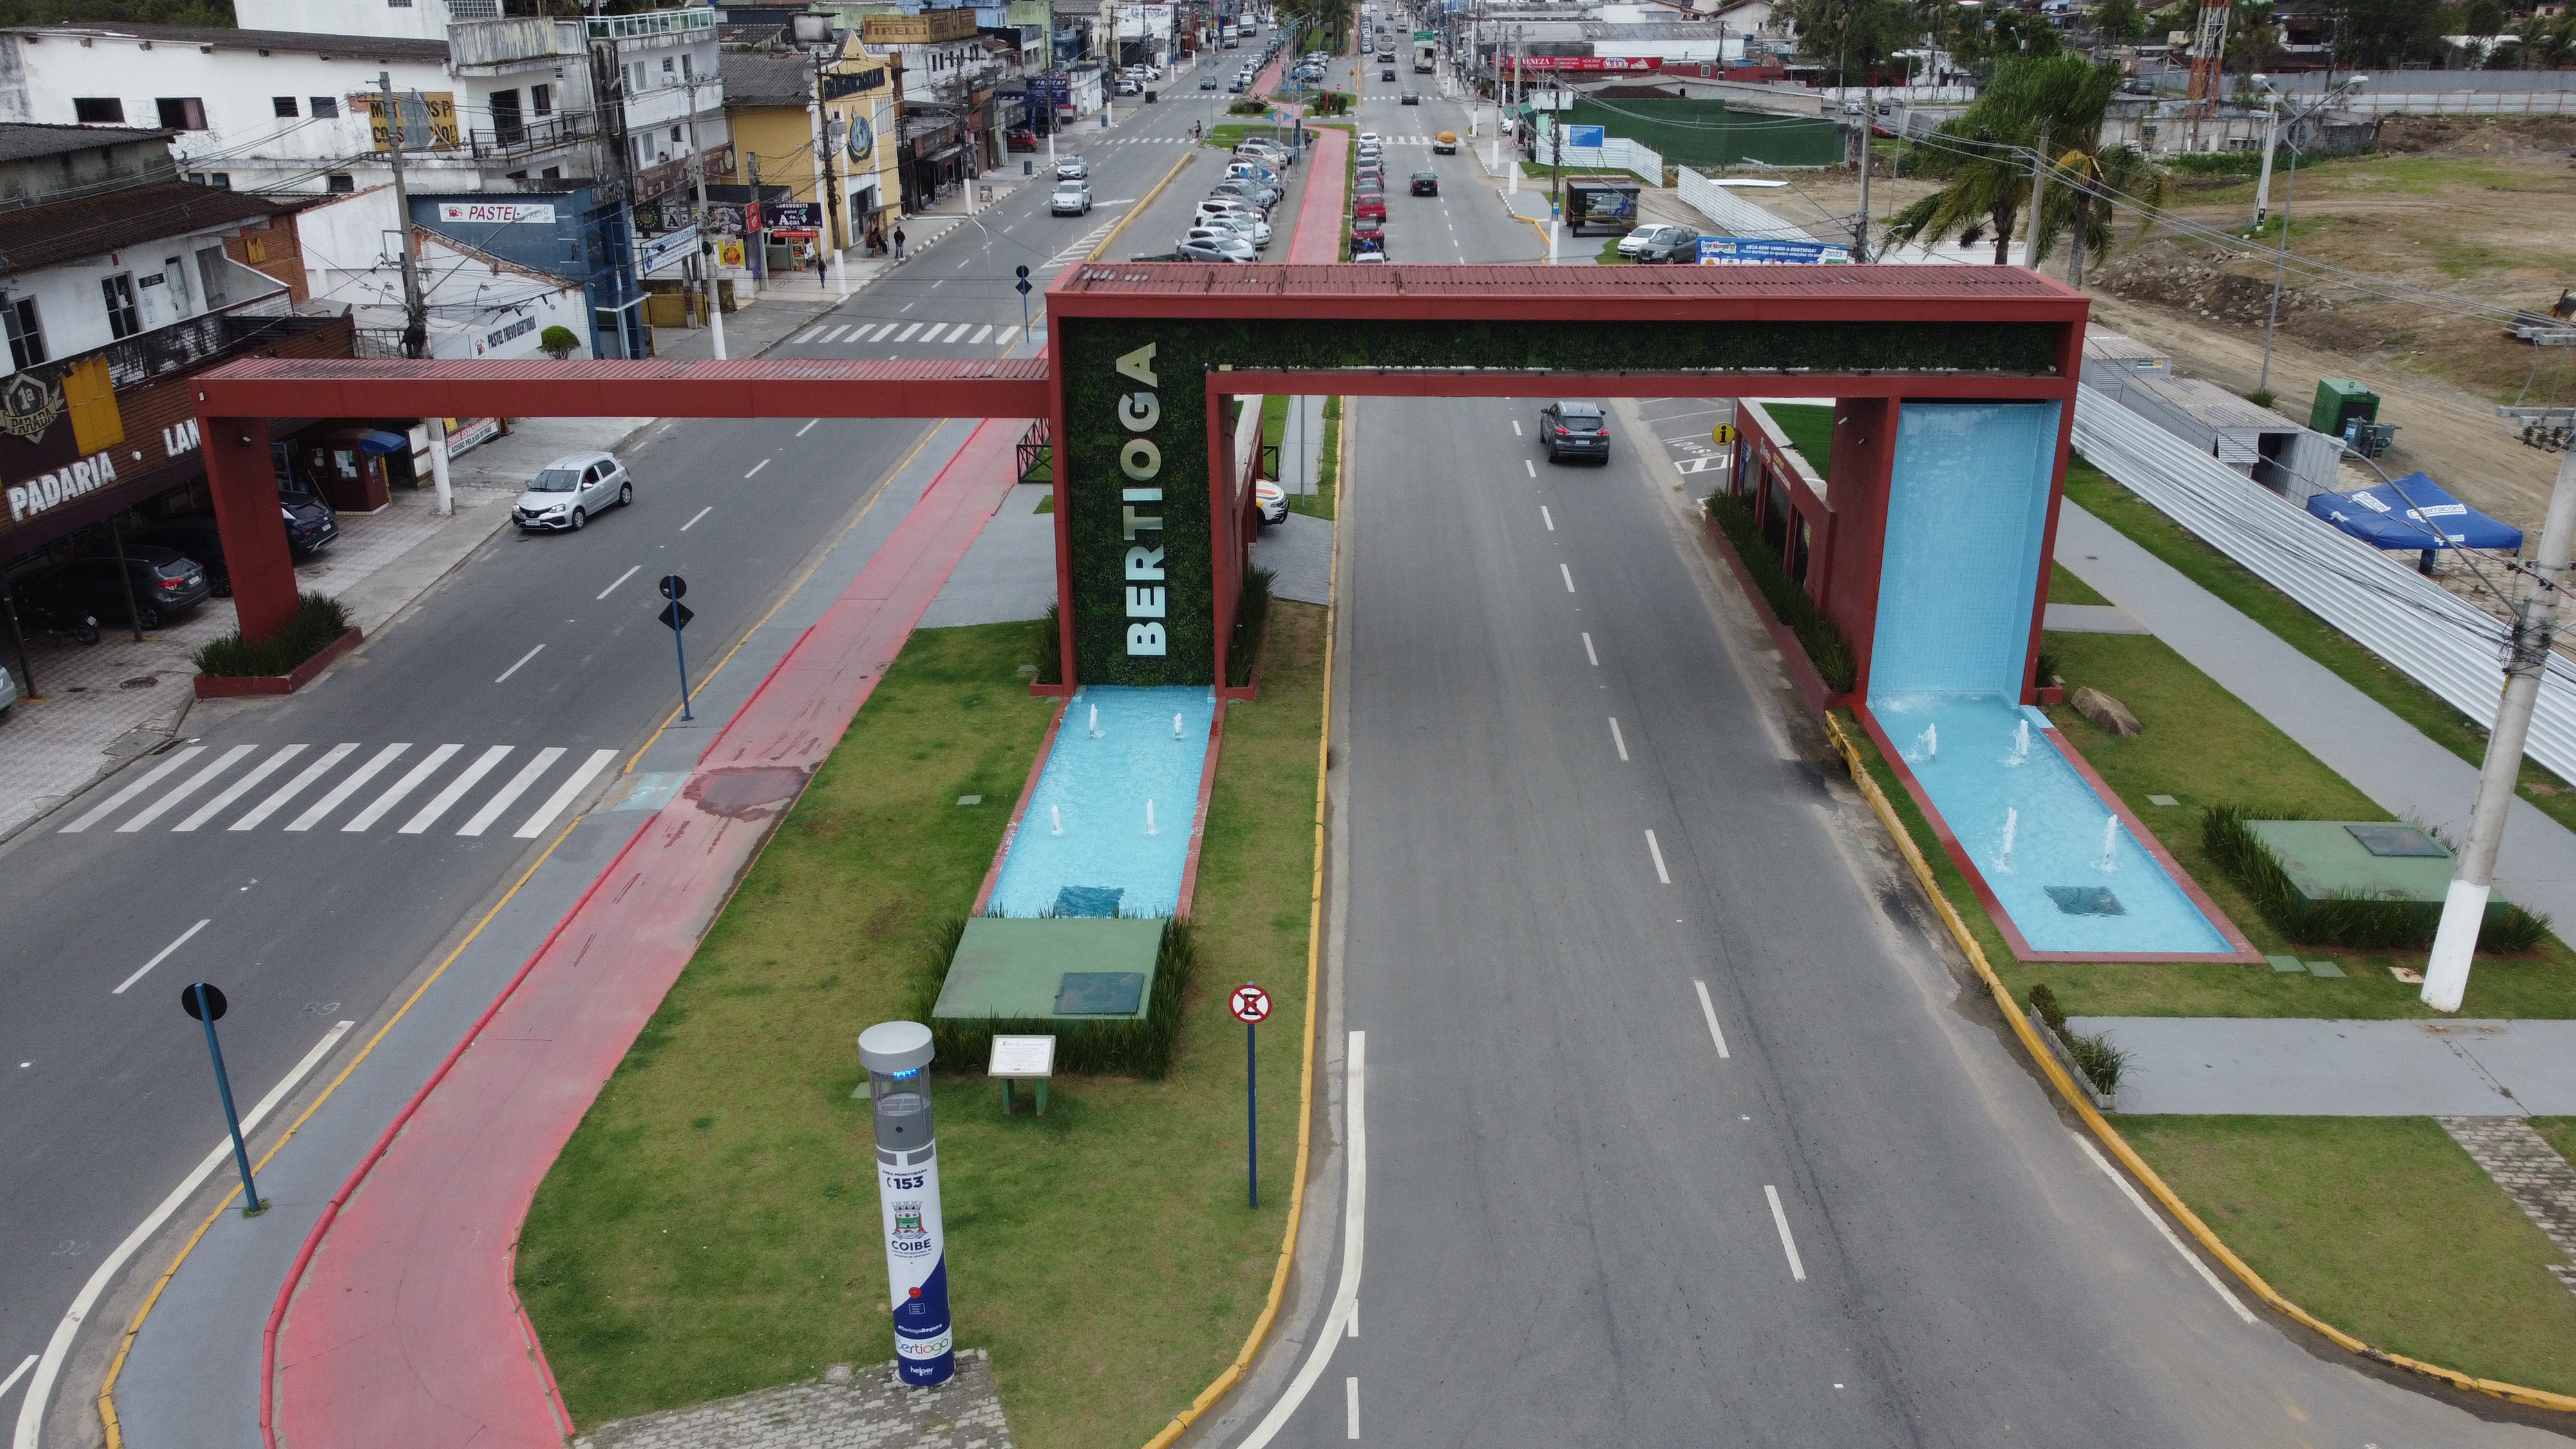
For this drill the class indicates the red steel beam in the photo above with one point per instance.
(1500, 382)
(263, 387)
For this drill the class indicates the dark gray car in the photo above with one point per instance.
(1574, 430)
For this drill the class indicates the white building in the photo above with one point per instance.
(479, 305)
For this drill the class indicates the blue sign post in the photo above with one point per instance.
(897, 1055)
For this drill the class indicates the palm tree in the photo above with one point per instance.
(2036, 103)
(2090, 179)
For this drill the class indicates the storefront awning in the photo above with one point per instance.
(380, 441)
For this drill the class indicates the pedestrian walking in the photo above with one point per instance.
(819, 274)
(898, 241)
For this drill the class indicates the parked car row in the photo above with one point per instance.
(1233, 224)
(1661, 242)
(170, 567)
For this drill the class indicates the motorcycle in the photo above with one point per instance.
(56, 623)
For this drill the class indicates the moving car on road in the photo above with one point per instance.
(1207, 82)
(1574, 429)
(1445, 144)
(1426, 183)
(1073, 168)
(567, 491)
(1411, 98)
(1387, 74)
(1072, 198)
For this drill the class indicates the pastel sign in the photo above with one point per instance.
(1140, 458)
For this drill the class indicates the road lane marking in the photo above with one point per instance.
(1788, 1244)
(383, 804)
(1709, 1009)
(1351, 1329)
(1351, 1408)
(756, 467)
(1656, 849)
(239, 788)
(519, 783)
(524, 658)
(621, 578)
(1569, 577)
(1009, 335)
(117, 801)
(439, 803)
(693, 518)
(195, 782)
(17, 1373)
(982, 335)
(146, 970)
(1346, 1298)
(813, 336)
(295, 787)
(1617, 738)
(809, 427)
(882, 333)
(1532, 467)
(31, 1411)
(2188, 1256)
(1588, 654)
(1550, 518)
(346, 788)
(564, 794)
(908, 331)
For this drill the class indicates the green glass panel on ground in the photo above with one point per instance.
(1015, 968)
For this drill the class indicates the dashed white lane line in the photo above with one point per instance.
(694, 517)
(809, 427)
(196, 782)
(1351, 1328)
(1788, 1244)
(1708, 1009)
(621, 578)
(1346, 1297)
(524, 658)
(1516, 428)
(117, 801)
(40, 1392)
(1588, 654)
(1547, 517)
(146, 970)
(1617, 738)
(2188, 1256)
(755, 469)
(1350, 1408)
(295, 787)
(1532, 467)
(238, 788)
(1656, 849)
(1569, 577)
(395, 793)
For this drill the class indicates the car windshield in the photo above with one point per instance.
(556, 480)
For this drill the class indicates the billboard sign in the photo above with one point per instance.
(1580, 136)
(1586, 62)
(1762, 251)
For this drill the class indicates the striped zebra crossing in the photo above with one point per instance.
(927, 334)
(445, 782)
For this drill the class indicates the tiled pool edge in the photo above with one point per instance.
(2244, 954)
(1037, 772)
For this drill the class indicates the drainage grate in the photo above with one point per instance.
(140, 681)
(2086, 900)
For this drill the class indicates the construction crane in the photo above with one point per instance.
(2208, 56)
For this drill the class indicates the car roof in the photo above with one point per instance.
(1577, 405)
(581, 460)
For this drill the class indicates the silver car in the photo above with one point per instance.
(1072, 198)
(1073, 168)
(567, 491)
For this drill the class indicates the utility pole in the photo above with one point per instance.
(2464, 908)
(2271, 135)
(415, 308)
(1860, 228)
(2039, 168)
(706, 228)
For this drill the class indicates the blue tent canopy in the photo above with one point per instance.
(2412, 513)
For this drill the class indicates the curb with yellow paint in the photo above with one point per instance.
(1235, 1371)
(2119, 1146)
(1147, 200)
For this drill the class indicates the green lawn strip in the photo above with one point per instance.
(2304, 631)
(712, 1226)
(2382, 1227)
(2066, 588)
(1609, 256)
(1328, 467)
(1810, 430)
(2561, 1132)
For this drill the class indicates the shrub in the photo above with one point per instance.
(2047, 666)
(558, 343)
(1110, 1047)
(318, 620)
(2099, 1061)
(2362, 922)
(1788, 598)
(2044, 1002)
(1251, 619)
(1248, 106)
(1046, 644)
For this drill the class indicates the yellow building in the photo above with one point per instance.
(769, 101)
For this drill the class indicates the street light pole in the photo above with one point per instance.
(2289, 195)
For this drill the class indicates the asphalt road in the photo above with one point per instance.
(535, 644)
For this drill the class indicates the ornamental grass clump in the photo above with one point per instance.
(1787, 597)
(318, 621)
(2094, 1056)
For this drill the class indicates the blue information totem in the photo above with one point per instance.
(897, 1056)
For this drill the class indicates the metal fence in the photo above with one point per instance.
(2437, 639)
(1735, 215)
(1617, 154)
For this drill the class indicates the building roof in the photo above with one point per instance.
(766, 80)
(351, 47)
(22, 140)
(66, 231)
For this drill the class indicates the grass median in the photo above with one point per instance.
(712, 1227)
(2383, 1227)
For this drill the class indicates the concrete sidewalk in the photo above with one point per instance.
(2300, 1067)
(2355, 736)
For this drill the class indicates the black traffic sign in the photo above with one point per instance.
(676, 615)
(216, 1006)
(674, 587)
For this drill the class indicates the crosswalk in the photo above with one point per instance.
(926, 334)
(375, 785)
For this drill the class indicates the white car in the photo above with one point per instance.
(1643, 237)
(1223, 206)
(1371, 138)
(1271, 500)
(567, 491)
(1251, 228)
(1073, 168)
(1072, 198)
